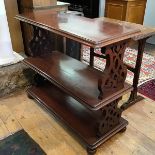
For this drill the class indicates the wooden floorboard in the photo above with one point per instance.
(17, 111)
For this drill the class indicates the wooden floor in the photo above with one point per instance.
(17, 112)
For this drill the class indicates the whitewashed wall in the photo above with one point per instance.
(149, 18)
(6, 52)
(102, 8)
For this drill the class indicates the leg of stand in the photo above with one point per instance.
(91, 62)
(123, 130)
(133, 96)
(91, 151)
(29, 96)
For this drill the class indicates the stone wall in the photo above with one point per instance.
(14, 77)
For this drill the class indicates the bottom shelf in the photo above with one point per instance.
(72, 113)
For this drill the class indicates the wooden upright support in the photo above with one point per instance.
(32, 5)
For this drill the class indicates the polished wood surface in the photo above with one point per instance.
(99, 34)
(77, 79)
(127, 10)
(94, 89)
(75, 116)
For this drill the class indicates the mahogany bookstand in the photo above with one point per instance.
(85, 99)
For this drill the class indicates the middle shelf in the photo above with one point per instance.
(75, 78)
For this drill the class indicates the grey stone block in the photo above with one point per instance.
(13, 77)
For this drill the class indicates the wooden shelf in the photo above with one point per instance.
(72, 113)
(75, 78)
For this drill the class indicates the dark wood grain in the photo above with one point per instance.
(76, 78)
(73, 114)
(84, 98)
(92, 32)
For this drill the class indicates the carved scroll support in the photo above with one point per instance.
(40, 43)
(115, 71)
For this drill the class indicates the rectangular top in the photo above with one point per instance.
(92, 32)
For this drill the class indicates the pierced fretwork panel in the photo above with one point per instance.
(40, 43)
(115, 71)
(110, 117)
